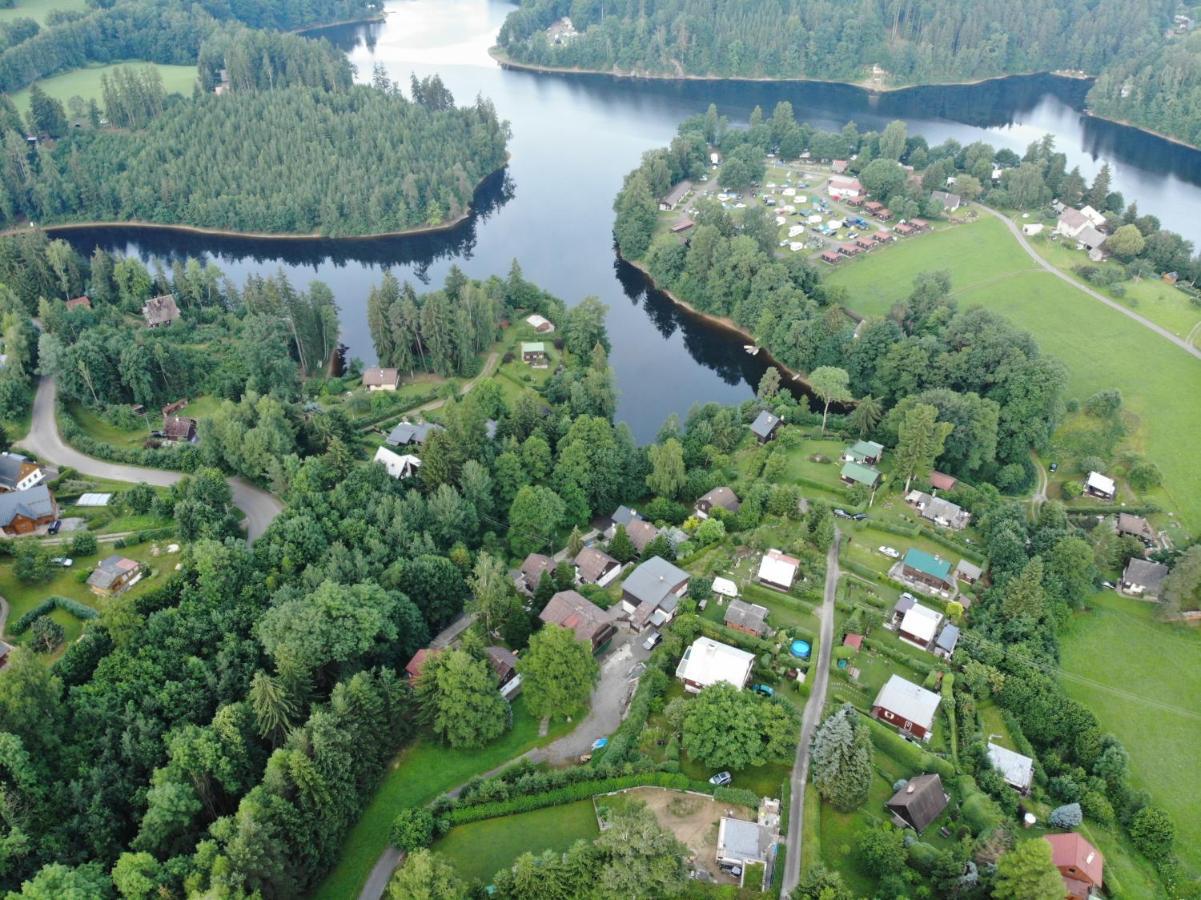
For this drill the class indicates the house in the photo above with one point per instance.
(532, 569)
(947, 641)
(873, 206)
(415, 665)
(839, 166)
(866, 453)
(883, 214)
(919, 802)
(562, 31)
(19, 473)
(681, 226)
(708, 662)
(1071, 223)
(1100, 486)
(904, 603)
(968, 571)
(853, 640)
(1136, 526)
(540, 324)
(721, 497)
(623, 516)
(725, 587)
(1080, 864)
(114, 574)
(174, 407)
(656, 584)
(398, 465)
(675, 196)
(1096, 219)
(160, 311)
(1142, 578)
(950, 202)
(595, 566)
(829, 256)
(907, 707)
(1090, 238)
(777, 570)
(503, 662)
(23, 512)
(939, 511)
(765, 425)
(533, 353)
(179, 429)
(749, 618)
(378, 379)
(1030, 229)
(1016, 769)
(848, 249)
(904, 229)
(864, 243)
(919, 625)
(928, 569)
(741, 843)
(570, 609)
(843, 187)
(641, 533)
(853, 473)
(942, 482)
(79, 303)
(407, 434)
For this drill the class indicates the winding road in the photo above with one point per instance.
(44, 441)
(813, 714)
(1016, 231)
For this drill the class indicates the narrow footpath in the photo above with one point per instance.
(813, 714)
(1016, 231)
(45, 442)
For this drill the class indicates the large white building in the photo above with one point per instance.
(398, 465)
(708, 662)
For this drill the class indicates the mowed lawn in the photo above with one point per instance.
(1142, 679)
(482, 849)
(85, 82)
(1101, 347)
(39, 9)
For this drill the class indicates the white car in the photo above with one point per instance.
(63, 561)
(890, 552)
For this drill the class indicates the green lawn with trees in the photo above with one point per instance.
(1116, 659)
(86, 83)
(38, 10)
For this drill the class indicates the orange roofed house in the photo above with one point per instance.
(1079, 863)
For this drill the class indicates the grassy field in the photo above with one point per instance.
(481, 849)
(420, 772)
(1142, 679)
(39, 9)
(85, 82)
(1101, 347)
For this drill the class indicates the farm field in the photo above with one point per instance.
(481, 849)
(1101, 348)
(85, 82)
(1115, 660)
(39, 9)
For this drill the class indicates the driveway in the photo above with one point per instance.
(44, 441)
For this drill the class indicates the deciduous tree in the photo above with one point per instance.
(558, 672)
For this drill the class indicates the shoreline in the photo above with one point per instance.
(1179, 142)
(362, 20)
(507, 62)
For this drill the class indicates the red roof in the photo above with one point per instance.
(942, 482)
(77, 302)
(852, 640)
(1076, 858)
(417, 663)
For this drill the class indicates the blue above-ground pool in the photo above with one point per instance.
(842, 664)
(800, 649)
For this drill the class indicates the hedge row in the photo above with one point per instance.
(907, 753)
(74, 607)
(179, 458)
(141, 537)
(900, 656)
(822, 486)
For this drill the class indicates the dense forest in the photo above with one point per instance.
(1159, 91)
(912, 40)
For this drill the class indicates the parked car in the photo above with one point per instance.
(1054, 467)
(722, 779)
(841, 513)
(860, 517)
(764, 690)
(890, 552)
(63, 561)
(732, 868)
(652, 641)
(55, 526)
(908, 596)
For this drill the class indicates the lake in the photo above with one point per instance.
(574, 139)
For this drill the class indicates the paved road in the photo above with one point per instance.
(44, 441)
(813, 713)
(1016, 231)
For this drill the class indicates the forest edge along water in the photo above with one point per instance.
(575, 137)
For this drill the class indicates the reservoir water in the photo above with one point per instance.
(574, 139)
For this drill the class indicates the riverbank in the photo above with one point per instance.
(362, 20)
(867, 85)
(1143, 129)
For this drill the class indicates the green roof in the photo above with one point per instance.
(533, 347)
(853, 471)
(865, 449)
(928, 564)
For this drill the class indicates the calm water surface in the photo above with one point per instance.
(575, 137)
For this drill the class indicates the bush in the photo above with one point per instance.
(48, 635)
(1067, 816)
(1153, 832)
(412, 829)
(74, 607)
(923, 856)
(83, 544)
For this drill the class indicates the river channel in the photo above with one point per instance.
(576, 136)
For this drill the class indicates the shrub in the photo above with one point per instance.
(412, 829)
(1067, 816)
(48, 635)
(923, 856)
(1153, 832)
(83, 544)
(74, 607)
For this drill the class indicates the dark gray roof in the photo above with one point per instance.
(747, 615)
(903, 605)
(652, 581)
(10, 469)
(765, 423)
(411, 433)
(947, 638)
(593, 563)
(743, 840)
(109, 569)
(920, 801)
(35, 503)
(624, 515)
(1138, 571)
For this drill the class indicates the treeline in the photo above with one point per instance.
(912, 40)
(1159, 90)
(292, 161)
(252, 60)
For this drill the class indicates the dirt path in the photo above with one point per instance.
(1040, 494)
(813, 713)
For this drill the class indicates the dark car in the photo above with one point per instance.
(764, 690)
(55, 526)
(860, 517)
(841, 513)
